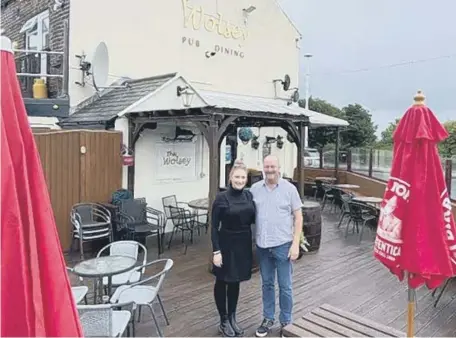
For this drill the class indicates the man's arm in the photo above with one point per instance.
(296, 206)
(297, 227)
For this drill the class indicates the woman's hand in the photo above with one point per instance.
(217, 259)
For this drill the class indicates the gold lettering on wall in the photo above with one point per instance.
(196, 18)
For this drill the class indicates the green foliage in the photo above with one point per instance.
(386, 139)
(361, 132)
(448, 147)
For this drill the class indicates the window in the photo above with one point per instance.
(36, 32)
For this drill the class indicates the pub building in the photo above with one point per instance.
(183, 78)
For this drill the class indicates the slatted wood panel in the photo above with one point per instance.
(101, 165)
(73, 177)
(328, 321)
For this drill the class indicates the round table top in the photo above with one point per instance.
(346, 186)
(367, 199)
(104, 266)
(324, 178)
(200, 203)
(310, 204)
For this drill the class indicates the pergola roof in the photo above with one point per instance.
(158, 94)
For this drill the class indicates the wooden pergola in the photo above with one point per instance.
(215, 123)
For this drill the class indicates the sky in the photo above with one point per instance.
(346, 36)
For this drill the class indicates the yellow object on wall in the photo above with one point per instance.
(39, 89)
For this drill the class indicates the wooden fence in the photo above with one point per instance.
(79, 166)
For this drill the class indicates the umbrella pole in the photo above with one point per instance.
(410, 310)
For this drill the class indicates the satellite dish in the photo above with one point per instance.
(286, 82)
(295, 96)
(100, 66)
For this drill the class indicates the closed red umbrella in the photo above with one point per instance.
(416, 231)
(36, 293)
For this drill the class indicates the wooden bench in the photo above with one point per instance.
(328, 321)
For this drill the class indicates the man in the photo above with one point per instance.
(278, 233)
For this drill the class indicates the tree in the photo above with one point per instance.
(448, 147)
(361, 132)
(322, 136)
(386, 139)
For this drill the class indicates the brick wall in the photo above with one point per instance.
(14, 14)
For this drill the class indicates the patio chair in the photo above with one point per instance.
(345, 209)
(91, 222)
(143, 293)
(360, 214)
(79, 292)
(171, 201)
(328, 195)
(140, 221)
(128, 249)
(104, 320)
(185, 222)
(370, 215)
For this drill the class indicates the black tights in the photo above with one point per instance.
(223, 291)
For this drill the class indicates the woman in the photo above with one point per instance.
(233, 213)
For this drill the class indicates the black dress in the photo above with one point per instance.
(233, 213)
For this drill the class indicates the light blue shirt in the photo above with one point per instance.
(274, 212)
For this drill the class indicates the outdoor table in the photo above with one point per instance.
(324, 178)
(346, 186)
(104, 266)
(200, 204)
(367, 199)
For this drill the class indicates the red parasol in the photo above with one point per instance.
(416, 230)
(36, 293)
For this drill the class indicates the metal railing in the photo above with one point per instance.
(376, 163)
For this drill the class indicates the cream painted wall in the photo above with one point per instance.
(151, 37)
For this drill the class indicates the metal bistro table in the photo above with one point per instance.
(346, 186)
(367, 199)
(200, 204)
(104, 266)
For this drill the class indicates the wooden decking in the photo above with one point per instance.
(343, 274)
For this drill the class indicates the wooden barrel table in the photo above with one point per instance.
(311, 214)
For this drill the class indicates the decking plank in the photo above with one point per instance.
(343, 273)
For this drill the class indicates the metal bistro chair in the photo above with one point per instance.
(80, 291)
(145, 292)
(345, 209)
(360, 214)
(128, 249)
(104, 320)
(171, 201)
(140, 221)
(91, 221)
(183, 221)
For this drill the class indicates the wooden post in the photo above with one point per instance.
(320, 153)
(371, 160)
(131, 169)
(336, 154)
(301, 150)
(349, 160)
(448, 175)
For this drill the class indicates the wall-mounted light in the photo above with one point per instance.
(279, 142)
(249, 9)
(187, 95)
(181, 135)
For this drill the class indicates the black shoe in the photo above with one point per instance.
(225, 327)
(281, 329)
(237, 330)
(264, 328)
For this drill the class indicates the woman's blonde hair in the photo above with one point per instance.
(238, 164)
